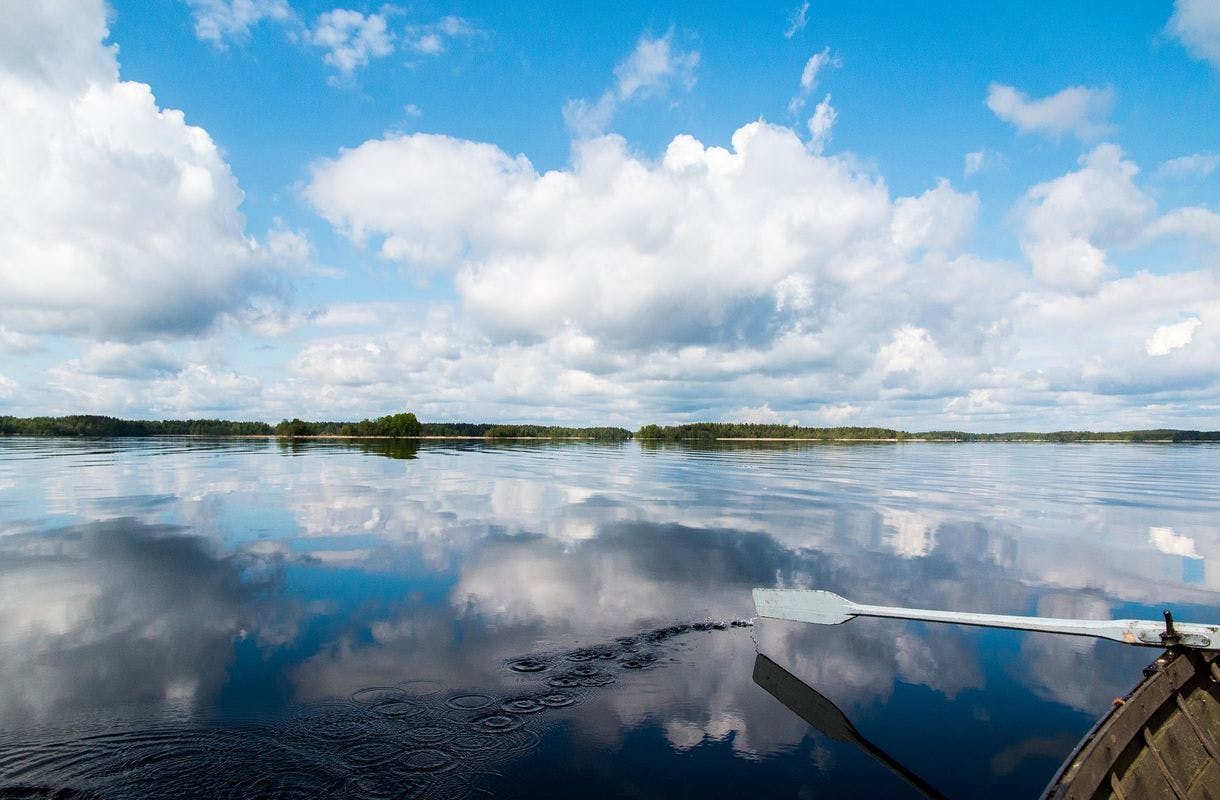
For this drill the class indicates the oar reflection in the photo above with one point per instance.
(813, 707)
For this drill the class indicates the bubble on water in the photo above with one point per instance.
(582, 655)
(639, 661)
(499, 723)
(522, 705)
(563, 682)
(469, 702)
(585, 672)
(557, 700)
(527, 665)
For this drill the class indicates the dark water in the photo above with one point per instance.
(244, 619)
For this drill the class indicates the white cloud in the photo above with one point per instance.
(821, 123)
(758, 414)
(1077, 110)
(815, 64)
(939, 219)
(219, 20)
(122, 221)
(1069, 221)
(8, 387)
(651, 69)
(982, 160)
(798, 20)
(911, 357)
(432, 40)
(809, 76)
(1197, 165)
(978, 401)
(1192, 223)
(760, 280)
(1167, 541)
(1196, 23)
(840, 413)
(653, 66)
(613, 246)
(115, 360)
(1167, 338)
(16, 342)
(351, 39)
(910, 534)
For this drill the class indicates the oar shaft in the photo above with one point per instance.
(827, 608)
(1129, 631)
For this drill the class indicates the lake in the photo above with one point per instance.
(253, 618)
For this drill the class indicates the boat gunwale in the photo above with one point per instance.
(1083, 772)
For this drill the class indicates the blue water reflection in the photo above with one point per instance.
(244, 617)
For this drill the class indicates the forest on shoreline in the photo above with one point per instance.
(406, 425)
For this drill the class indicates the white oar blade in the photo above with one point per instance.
(802, 605)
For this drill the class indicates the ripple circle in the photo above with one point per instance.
(469, 702)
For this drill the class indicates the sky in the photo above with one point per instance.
(942, 215)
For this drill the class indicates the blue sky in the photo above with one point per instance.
(930, 216)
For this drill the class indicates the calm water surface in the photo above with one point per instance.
(242, 618)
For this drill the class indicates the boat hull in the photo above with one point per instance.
(1160, 741)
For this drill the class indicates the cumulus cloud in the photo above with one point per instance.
(613, 246)
(1069, 220)
(1078, 110)
(351, 39)
(122, 220)
(761, 280)
(219, 20)
(652, 68)
(1196, 23)
(1167, 338)
(939, 219)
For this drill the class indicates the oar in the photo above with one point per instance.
(819, 711)
(828, 608)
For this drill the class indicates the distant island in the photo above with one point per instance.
(730, 431)
(404, 425)
(407, 426)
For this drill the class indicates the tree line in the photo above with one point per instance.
(711, 431)
(406, 425)
(94, 425)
